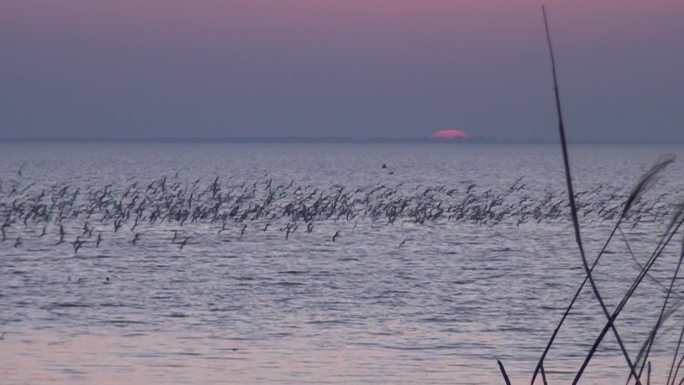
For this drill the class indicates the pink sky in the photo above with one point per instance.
(345, 65)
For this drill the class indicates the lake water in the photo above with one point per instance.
(314, 264)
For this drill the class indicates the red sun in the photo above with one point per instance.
(450, 133)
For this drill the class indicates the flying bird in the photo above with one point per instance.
(20, 169)
(77, 244)
(183, 243)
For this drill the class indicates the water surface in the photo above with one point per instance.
(433, 301)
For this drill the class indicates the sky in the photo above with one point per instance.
(347, 68)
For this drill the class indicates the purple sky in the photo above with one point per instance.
(359, 68)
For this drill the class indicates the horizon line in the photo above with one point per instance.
(324, 139)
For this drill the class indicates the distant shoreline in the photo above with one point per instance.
(321, 140)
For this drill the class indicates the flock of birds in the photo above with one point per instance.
(88, 215)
